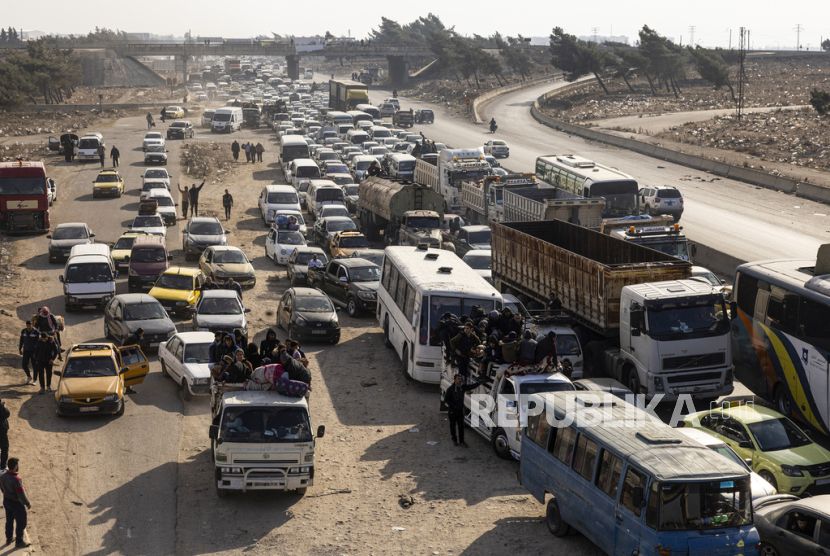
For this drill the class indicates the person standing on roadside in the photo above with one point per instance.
(227, 202)
(44, 357)
(4, 435)
(247, 147)
(235, 150)
(102, 154)
(16, 503)
(185, 199)
(259, 150)
(149, 121)
(115, 154)
(28, 342)
(194, 198)
(454, 402)
(46, 322)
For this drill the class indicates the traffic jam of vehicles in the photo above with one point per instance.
(533, 299)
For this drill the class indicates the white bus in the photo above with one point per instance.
(417, 286)
(584, 177)
(335, 118)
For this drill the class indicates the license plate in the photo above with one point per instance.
(822, 481)
(318, 331)
(89, 409)
(154, 344)
(669, 203)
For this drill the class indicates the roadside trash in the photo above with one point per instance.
(414, 429)
(367, 383)
(398, 529)
(432, 443)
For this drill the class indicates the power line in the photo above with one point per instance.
(798, 29)
(692, 35)
(595, 33)
(741, 57)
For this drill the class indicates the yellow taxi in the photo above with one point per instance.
(94, 377)
(174, 112)
(108, 182)
(123, 247)
(344, 243)
(178, 289)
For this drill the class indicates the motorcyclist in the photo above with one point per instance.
(394, 93)
(493, 125)
(374, 169)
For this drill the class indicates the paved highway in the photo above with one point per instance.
(739, 219)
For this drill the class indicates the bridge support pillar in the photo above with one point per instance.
(398, 70)
(293, 67)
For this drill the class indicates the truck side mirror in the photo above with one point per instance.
(321, 431)
(693, 250)
(213, 432)
(635, 331)
(60, 278)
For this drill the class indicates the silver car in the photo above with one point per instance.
(220, 310)
(661, 199)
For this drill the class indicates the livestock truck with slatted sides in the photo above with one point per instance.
(640, 318)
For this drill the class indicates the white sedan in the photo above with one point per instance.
(149, 224)
(184, 358)
(496, 148)
(153, 139)
(279, 244)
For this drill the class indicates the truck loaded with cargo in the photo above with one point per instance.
(452, 168)
(482, 201)
(404, 214)
(346, 95)
(640, 319)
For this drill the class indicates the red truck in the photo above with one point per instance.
(24, 203)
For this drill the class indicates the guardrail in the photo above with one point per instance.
(490, 95)
(88, 107)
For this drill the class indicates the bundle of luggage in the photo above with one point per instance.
(274, 378)
(148, 206)
(287, 222)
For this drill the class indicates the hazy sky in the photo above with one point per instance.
(712, 18)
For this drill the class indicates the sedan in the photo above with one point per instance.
(149, 224)
(184, 358)
(480, 260)
(156, 174)
(220, 310)
(174, 112)
(155, 154)
(153, 139)
(126, 313)
(65, 237)
(308, 314)
(297, 271)
(222, 262)
(497, 148)
(200, 233)
(181, 129)
(280, 244)
(791, 526)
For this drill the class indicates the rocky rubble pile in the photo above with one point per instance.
(796, 137)
(202, 160)
(21, 124)
(10, 152)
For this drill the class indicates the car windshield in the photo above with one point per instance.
(155, 149)
(706, 277)
(697, 506)
(329, 155)
(148, 185)
(303, 258)
(151, 221)
(351, 190)
(527, 388)
(290, 238)
(365, 274)
(567, 344)
(340, 225)
(124, 243)
(107, 178)
(730, 454)
(221, 306)
(363, 164)
(479, 237)
(88, 272)
(175, 282)
(159, 174)
(337, 169)
(777, 434)
(148, 255)
(308, 172)
(315, 304)
(164, 201)
(206, 229)
(231, 257)
(687, 320)
(70, 232)
(479, 262)
(177, 124)
(80, 367)
(265, 424)
(673, 248)
(144, 311)
(353, 242)
(329, 194)
(196, 353)
(286, 198)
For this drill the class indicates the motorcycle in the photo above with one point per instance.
(493, 128)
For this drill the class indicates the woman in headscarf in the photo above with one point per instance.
(46, 322)
(252, 355)
(238, 369)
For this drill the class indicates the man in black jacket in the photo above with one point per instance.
(465, 342)
(235, 150)
(4, 434)
(295, 369)
(270, 342)
(447, 328)
(194, 198)
(46, 351)
(134, 339)
(454, 402)
(545, 347)
(28, 341)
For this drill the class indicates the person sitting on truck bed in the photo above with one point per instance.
(237, 369)
(267, 345)
(510, 348)
(295, 369)
(527, 349)
(546, 348)
(374, 169)
(446, 329)
(463, 345)
(516, 324)
(492, 354)
(226, 349)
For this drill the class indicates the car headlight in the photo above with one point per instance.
(200, 381)
(224, 241)
(65, 399)
(133, 272)
(111, 398)
(301, 320)
(335, 321)
(791, 471)
(282, 251)
(366, 295)
(181, 303)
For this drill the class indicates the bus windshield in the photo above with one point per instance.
(440, 304)
(620, 197)
(23, 186)
(697, 506)
(291, 152)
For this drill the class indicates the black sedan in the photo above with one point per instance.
(791, 526)
(298, 264)
(126, 313)
(308, 314)
(155, 154)
(180, 129)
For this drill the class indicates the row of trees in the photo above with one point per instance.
(662, 62)
(10, 36)
(46, 70)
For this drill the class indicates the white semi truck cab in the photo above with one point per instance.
(666, 239)
(261, 441)
(456, 166)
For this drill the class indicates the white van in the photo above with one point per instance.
(301, 168)
(343, 129)
(227, 120)
(357, 137)
(88, 146)
(379, 133)
(323, 192)
(207, 117)
(89, 277)
(369, 109)
(291, 147)
(402, 167)
(275, 198)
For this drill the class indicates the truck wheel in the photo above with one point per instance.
(556, 524)
(633, 381)
(301, 491)
(186, 395)
(501, 445)
(351, 307)
(593, 360)
(164, 372)
(220, 492)
(387, 341)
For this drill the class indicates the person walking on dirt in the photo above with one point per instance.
(102, 154)
(252, 149)
(46, 322)
(194, 198)
(115, 154)
(185, 199)
(149, 121)
(4, 434)
(26, 347)
(227, 202)
(46, 351)
(259, 150)
(16, 503)
(247, 147)
(454, 402)
(235, 150)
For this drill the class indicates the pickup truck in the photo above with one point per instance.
(467, 239)
(350, 282)
(261, 440)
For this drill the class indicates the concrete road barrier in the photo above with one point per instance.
(490, 95)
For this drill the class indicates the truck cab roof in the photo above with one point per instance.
(672, 289)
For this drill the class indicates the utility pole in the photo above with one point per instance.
(692, 35)
(730, 38)
(595, 33)
(741, 58)
(798, 29)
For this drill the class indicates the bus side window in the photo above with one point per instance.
(633, 480)
(653, 505)
(564, 446)
(586, 455)
(813, 324)
(608, 478)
